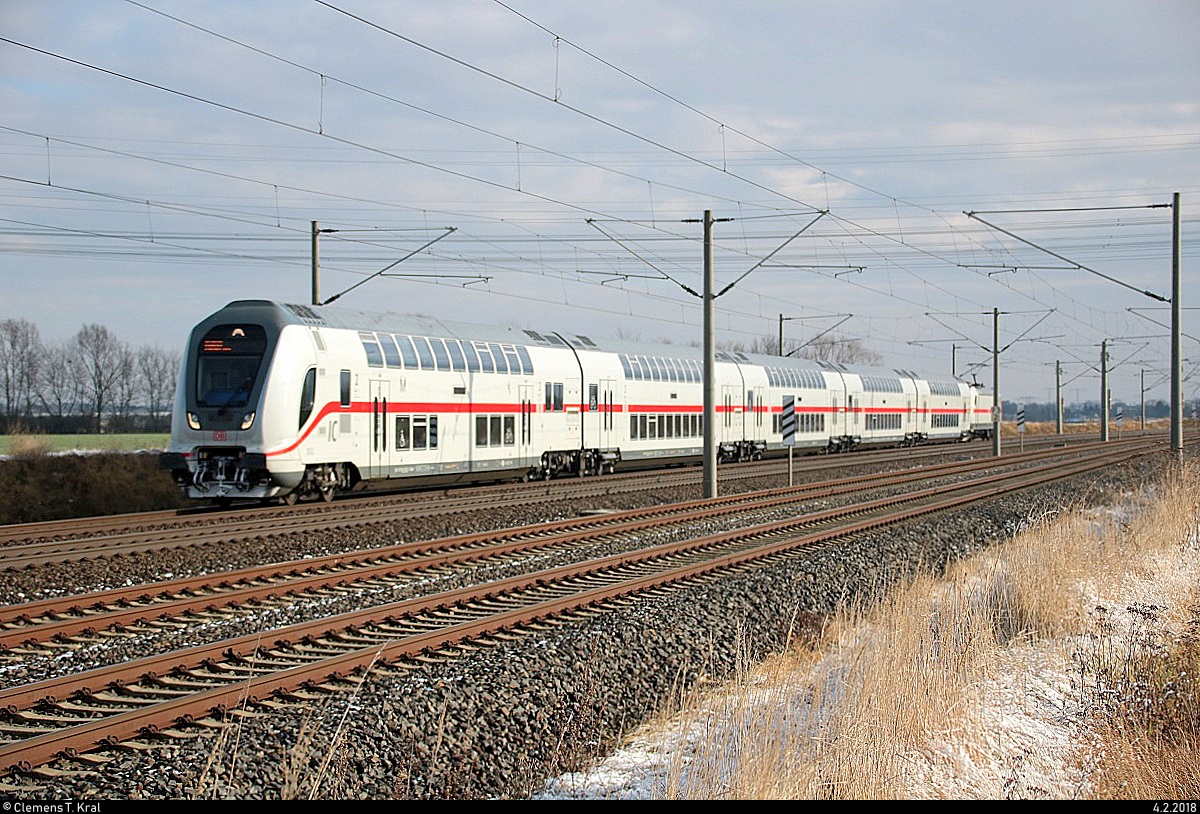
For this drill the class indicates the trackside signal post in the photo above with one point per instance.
(787, 426)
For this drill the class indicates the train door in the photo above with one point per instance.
(525, 412)
(380, 456)
(754, 421)
(602, 402)
(730, 423)
(572, 403)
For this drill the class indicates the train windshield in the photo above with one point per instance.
(228, 364)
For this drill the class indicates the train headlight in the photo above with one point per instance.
(247, 420)
(193, 420)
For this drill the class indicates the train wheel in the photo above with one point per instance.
(291, 498)
(327, 493)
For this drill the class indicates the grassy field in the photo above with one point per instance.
(16, 444)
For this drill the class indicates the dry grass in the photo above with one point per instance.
(1008, 429)
(1036, 670)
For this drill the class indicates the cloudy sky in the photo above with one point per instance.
(548, 165)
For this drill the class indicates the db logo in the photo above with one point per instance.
(220, 435)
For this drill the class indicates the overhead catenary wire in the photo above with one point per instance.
(875, 289)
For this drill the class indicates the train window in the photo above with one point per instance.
(668, 426)
(371, 347)
(643, 426)
(472, 357)
(549, 405)
(439, 354)
(403, 431)
(308, 395)
(558, 397)
(648, 371)
(420, 432)
(406, 352)
(423, 352)
(514, 361)
(481, 431)
(485, 357)
(510, 430)
(636, 365)
(678, 426)
(625, 365)
(345, 388)
(676, 371)
(390, 354)
(526, 362)
(230, 356)
(457, 361)
(652, 427)
(494, 431)
(633, 428)
(498, 355)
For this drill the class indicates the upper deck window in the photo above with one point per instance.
(406, 351)
(371, 346)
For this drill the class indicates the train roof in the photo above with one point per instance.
(325, 316)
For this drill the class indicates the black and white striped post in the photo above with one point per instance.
(787, 426)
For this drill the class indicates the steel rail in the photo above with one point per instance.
(23, 754)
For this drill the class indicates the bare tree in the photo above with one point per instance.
(59, 389)
(98, 356)
(828, 348)
(157, 370)
(125, 388)
(20, 353)
(841, 349)
(756, 345)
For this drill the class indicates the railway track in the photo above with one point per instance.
(57, 619)
(70, 540)
(181, 692)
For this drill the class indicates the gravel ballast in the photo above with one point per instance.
(499, 721)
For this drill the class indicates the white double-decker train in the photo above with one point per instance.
(287, 401)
